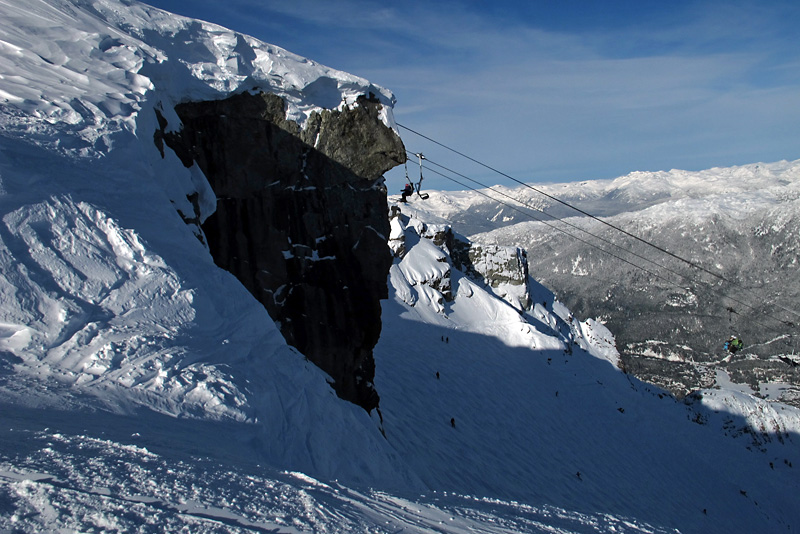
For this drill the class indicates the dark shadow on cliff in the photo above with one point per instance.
(301, 220)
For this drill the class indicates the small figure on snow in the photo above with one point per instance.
(453, 422)
(407, 191)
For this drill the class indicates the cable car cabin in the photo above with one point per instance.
(733, 345)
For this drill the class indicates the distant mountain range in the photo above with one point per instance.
(738, 229)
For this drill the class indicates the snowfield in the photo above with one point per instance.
(735, 191)
(143, 389)
(739, 223)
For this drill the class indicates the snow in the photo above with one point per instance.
(730, 191)
(109, 300)
(76, 75)
(126, 488)
(541, 410)
(724, 381)
(142, 389)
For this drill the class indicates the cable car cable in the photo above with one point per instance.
(625, 232)
(656, 275)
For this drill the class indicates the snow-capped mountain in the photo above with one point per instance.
(144, 389)
(670, 319)
(734, 190)
(108, 302)
(550, 387)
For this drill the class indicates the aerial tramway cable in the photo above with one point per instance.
(550, 225)
(533, 209)
(625, 232)
(530, 215)
(587, 214)
(562, 221)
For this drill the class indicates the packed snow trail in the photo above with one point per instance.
(63, 470)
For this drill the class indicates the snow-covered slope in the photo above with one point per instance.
(142, 389)
(541, 411)
(108, 300)
(739, 222)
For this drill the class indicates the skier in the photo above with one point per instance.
(407, 191)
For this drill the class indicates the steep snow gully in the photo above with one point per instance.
(144, 389)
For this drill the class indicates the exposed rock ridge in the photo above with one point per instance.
(502, 270)
(301, 220)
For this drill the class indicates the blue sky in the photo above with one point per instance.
(557, 91)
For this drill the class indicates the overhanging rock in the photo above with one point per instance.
(301, 220)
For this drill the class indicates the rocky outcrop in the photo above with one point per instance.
(503, 269)
(301, 220)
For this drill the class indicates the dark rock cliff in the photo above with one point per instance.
(301, 220)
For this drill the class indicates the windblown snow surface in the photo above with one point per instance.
(142, 389)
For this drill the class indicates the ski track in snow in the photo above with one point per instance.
(85, 483)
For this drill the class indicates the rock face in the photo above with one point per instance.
(503, 269)
(301, 220)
